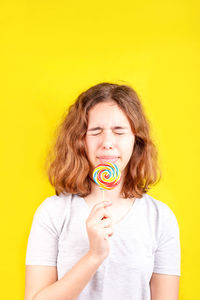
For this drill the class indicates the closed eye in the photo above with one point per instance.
(95, 132)
(119, 133)
(99, 132)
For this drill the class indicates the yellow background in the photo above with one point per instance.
(50, 52)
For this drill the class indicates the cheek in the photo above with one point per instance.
(127, 146)
(90, 145)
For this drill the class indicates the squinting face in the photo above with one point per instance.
(109, 137)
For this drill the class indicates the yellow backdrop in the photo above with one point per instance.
(53, 50)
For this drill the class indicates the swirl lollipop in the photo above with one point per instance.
(107, 176)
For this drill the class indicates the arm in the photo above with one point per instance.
(42, 284)
(165, 287)
(164, 283)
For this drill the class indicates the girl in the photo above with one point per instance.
(125, 247)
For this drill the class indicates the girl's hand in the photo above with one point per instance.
(99, 228)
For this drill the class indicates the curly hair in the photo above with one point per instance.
(67, 164)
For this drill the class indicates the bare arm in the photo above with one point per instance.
(165, 287)
(67, 288)
(38, 277)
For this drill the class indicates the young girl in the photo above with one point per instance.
(123, 247)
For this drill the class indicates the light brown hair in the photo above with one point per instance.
(67, 164)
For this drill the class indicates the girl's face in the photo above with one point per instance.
(109, 137)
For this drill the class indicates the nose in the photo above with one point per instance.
(107, 140)
(107, 147)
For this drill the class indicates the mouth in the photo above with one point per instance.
(111, 159)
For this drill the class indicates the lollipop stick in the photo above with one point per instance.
(103, 201)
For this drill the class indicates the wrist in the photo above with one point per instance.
(95, 258)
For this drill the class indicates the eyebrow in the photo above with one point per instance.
(100, 128)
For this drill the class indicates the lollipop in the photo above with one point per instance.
(107, 176)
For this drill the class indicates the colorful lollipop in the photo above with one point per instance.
(107, 176)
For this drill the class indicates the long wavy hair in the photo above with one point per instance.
(67, 164)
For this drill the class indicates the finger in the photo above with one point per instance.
(106, 222)
(108, 232)
(99, 210)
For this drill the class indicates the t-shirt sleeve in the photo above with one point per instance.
(168, 253)
(42, 246)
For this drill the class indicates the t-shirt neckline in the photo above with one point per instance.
(124, 219)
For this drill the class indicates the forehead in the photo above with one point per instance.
(107, 113)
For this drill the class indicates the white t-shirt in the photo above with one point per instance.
(146, 240)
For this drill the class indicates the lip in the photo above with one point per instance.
(104, 159)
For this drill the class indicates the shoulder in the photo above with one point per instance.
(54, 204)
(161, 215)
(54, 210)
(156, 206)
(158, 213)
